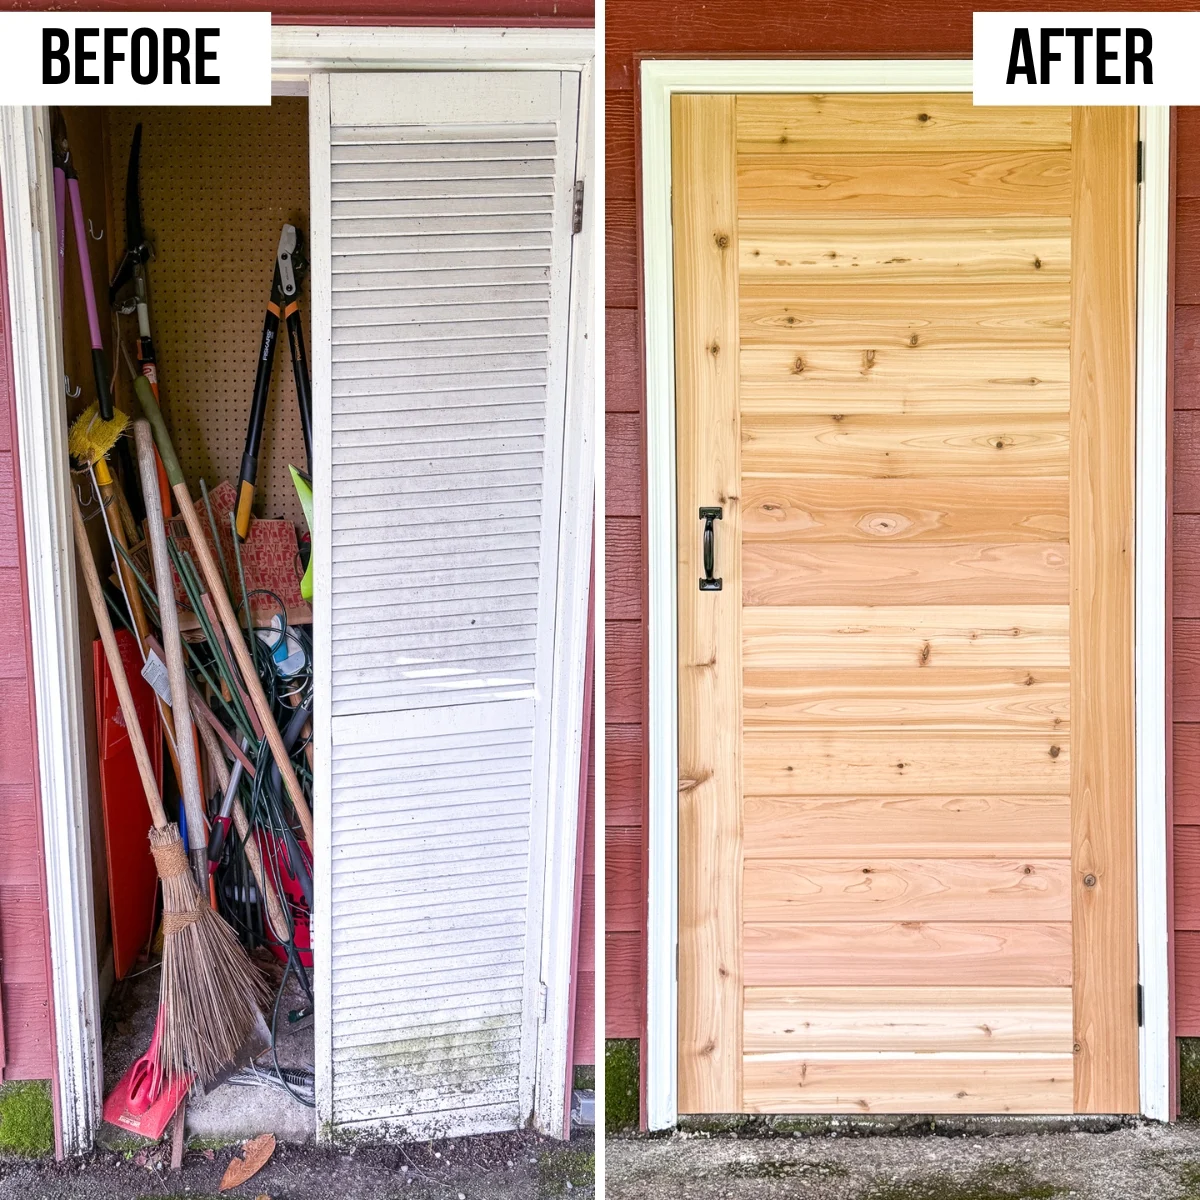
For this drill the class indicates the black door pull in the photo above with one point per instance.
(709, 583)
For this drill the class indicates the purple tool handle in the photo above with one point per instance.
(85, 265)
(60, 225)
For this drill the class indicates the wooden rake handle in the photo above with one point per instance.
(91, 577)
(216, 588)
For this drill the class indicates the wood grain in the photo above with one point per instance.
(949, 183)
(779, 573)
(891, 124)
(902, 763)
(1185, 448)
(815, 379)
(906, 250)
(1186, 848)
(907, 826)
(878, 511)
(1185, 565)
(1187, 984)
(963, 446)
(901, 316)
(624, 906)
(708, 473)
(623, 465)
(622, 361)
(908, 953)
(1028, 637)
(624, 672)
(624, 574)
(1103, 311)
(624, 985)
(906, 889)
(925, 1020)
(906, 698)
(910, 1083)
(623, 778)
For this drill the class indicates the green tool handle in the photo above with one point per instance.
(162, 439)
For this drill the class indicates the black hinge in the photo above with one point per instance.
(1141, 1001)
(1139, 175)
(577, 210)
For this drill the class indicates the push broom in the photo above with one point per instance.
(211, 993)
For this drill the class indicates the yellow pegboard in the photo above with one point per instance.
(217, 184)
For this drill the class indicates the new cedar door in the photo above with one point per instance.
(905, 375)
(448, 257)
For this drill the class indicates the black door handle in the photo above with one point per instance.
(709, 583)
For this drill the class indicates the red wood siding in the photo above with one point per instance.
(27, 1044)
(822, 29)
(625, 588)
(1185, 576)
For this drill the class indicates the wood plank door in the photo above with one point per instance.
(905, 382)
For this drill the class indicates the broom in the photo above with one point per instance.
(89, 442)
(210, 995)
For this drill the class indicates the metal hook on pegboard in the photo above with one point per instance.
(72, 394)
(96, 237)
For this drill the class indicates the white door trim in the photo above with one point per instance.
(298, 53)
(660, 79)
(1151, 634)
(38, 387)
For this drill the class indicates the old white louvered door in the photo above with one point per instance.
(449, 256)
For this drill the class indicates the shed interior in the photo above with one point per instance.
(216, 187)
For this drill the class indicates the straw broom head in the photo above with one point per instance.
(211, 991)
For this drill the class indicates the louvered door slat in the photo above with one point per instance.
(450, 242)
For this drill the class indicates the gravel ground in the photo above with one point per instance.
(495, 1167)
(1143, 1162)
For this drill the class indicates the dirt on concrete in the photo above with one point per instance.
(516, 1166)
(1137, 1162)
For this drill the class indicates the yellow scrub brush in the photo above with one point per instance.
(91, 439)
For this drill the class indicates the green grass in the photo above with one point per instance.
(26, 1119)
(622, 1086)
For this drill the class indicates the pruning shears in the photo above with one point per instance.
(291, 267)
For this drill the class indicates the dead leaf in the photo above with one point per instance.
(210, 1155)
(255, 1155)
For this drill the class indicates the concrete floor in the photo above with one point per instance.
(230, 1112)
(1140, 1162)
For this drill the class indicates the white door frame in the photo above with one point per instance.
(660, 79)
(298, 53)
